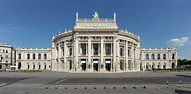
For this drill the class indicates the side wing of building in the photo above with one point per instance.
(158, 58)
(33, 59)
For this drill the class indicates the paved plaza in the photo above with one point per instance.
(48, 82)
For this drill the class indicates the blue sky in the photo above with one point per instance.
(159, 23)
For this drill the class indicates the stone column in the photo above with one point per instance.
(76, 53)
(102, 51)
(132, 55)
(58, 56)
(126, 56)
(114, 52)
(117, 66)
(65, 54)
(89, 53)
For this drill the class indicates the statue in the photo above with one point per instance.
(95, 15)
(114, 16)
(76, 16)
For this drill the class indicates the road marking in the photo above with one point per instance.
(61, 80)
(164, 91)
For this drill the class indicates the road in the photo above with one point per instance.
(91, 83)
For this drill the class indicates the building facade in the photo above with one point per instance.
(158, 58)
(96, 45)
(33, 59)
(7, 56)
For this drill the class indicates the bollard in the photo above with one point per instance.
(85, 87)
(56, 87)
(134, 87)
(167, 84)
(95, 87)
(66, 87)
(75, 87)
(144, 87)
(114, 87)
(180, 83)
(46, 87)
(104, 87)
(124, 87)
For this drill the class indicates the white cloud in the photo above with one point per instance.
(177, 42)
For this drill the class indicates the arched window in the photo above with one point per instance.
(28, 56)
(19, 65)
(39, 56)
(19, 56)
(164, 56)
(173, 56)
(158, 56)
(147, 56)
(6, 51)
(45, 56)
(153, 56)
(164, 66)
(33, 56)
(70, 52)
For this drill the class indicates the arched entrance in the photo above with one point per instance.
(173, 65)
(121, 65)
(19, 65)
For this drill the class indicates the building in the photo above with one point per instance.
(7, 56)
(96, 45)
(33, 59)
(158, 58)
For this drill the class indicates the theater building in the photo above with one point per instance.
(93, 45)
(98, 45)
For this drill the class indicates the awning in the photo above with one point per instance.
(107, 61)
(95, 61)
(83, 61)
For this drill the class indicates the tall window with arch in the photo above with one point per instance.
(45, 56)
(33, 56)
(39, 56)
(147, 56)
(164, 56)
(28, 56)
(173, 56)
(19, 55)
(158, 56)
(153, 56)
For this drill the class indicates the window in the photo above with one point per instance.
(19, 56)
(3, 51)
(45, 56)
(129, 53)
(6, 51)
(173, 56)
(95, 46)
(158, 56)
(121, 51)
(108, 49)
(147, 56)
(6, 56)
(70, 53)
(83, 46)
(153, 56)
(33, 66)
(39, 56)
(28, 56)
(164, 56)
(33, 56)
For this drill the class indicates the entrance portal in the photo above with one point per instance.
(108, 66)
(70, 65)
(121, 65)
(19, 65)
(96, 66)
(84, 66)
